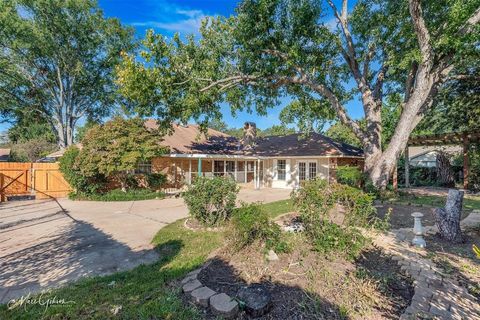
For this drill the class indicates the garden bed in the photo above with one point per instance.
(401, 214)
(307, 285)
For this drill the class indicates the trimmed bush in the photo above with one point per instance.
(351, 176)
(155, 180)
(211, 200)
(315, 202)
(72, 173)
(251, 223)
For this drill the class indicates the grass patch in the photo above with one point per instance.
(119, 195)
(142, 293)
(274, 209)
(469, 202)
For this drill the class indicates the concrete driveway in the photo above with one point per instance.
(46, 243)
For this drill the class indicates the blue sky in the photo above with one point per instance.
(184, 16)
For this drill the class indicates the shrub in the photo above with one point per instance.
(351, 176)
(315, 202)
(211, 200)
(72, 173)
(155, 180)
(251, 223)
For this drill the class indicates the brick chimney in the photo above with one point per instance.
(249, 134)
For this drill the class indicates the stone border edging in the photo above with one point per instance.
(220, 304)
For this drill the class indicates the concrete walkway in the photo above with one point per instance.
(47, 243)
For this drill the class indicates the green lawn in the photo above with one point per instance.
(277, 208)
(119, 195)
(469, 202)
(142, 293)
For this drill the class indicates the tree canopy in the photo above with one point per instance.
(276, 48)
(57, 60)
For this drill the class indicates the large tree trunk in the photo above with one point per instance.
(448, 218)
(426, 86)
(64, 131)
(444, 170)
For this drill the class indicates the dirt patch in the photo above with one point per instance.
(458, 261)
(379, 267)
(307, 285)
(401, 215)
(195, 225)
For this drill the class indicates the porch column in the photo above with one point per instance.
(199, 167)
(245, 172)
(190, 171)
(255, 174)
(395, 178)
(407, 168)
(258, 174)
(213, 167)
(466, 164)
(235, 178)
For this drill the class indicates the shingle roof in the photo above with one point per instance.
(314, 144)
(4, 155)
(188, 139)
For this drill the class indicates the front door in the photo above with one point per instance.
(307, 170)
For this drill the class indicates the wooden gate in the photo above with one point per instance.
(44, 180)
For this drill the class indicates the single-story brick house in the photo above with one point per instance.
(272, 162)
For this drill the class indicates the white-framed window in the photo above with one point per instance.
(281, 169)
(307, 170)
(143, 167)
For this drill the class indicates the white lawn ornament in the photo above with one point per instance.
(418, 240)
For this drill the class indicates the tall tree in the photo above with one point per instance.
(57, 59)
(275, 48)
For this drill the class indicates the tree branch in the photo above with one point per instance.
(410, 82)
(470, 23)
(423, 36)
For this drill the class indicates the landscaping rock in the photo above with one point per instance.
(257, 299)
(194, 272)
(223, 305)
(191, 285)
(271, 255)
(202, 295)
(189, 278)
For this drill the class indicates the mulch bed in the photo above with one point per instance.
(401, 214)
(306, 285)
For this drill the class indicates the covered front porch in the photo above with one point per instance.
(182, 169)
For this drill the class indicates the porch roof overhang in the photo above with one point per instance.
(213, 156)
(253, 157)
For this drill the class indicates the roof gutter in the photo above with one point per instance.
(220, 156)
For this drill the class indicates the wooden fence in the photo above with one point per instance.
(43, 180)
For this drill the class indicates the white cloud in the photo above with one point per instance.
(175, 19)
(332, 24)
